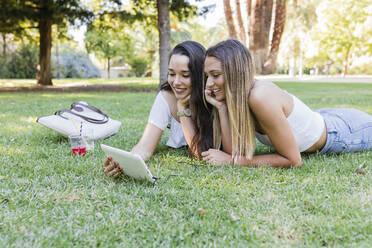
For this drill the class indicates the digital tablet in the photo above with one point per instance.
(133, 165)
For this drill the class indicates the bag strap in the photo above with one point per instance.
(94, 109)
(88, 119)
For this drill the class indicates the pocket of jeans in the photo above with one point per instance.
(355, 119)
(338, 147)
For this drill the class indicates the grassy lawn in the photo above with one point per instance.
(49, 198)
(130, 82)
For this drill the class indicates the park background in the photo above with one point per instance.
(55, 52)
(111, 39)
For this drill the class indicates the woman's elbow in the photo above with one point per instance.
(296, 163)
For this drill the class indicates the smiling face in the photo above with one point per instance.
(179, 75)
(215, 80)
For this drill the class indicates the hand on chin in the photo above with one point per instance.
(183, 102)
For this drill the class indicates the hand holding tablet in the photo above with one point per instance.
(129, 163)
(112, 168)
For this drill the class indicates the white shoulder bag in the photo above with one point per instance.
(69, 121)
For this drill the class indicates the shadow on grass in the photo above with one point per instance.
(58, 139)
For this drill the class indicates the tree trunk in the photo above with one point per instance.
(346, 62)
(280, 16)
(256, 30)
(242, 33)
(108, 68)
(249, 11)
(300, 68)
(4, 44)
(164, 37)
(229, 19)
(260, 14)
(268, 16)
(43, 75)
(57, 61)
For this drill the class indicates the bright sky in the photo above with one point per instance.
(210, 20)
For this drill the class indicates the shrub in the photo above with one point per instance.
(21, 64)
(74, 64)
(139, 66)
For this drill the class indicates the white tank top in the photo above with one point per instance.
(307, 126)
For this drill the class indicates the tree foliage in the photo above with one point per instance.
(107, 38)
(42, 14)
(21, 64)
(192, 30)
(138, 16)
(296, 41)
(344, 29)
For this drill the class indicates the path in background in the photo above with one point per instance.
(318, 79)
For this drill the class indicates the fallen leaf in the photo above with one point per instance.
(202, 211)
(271, 196)
(233, 217)
(73, 197)
(360, 171)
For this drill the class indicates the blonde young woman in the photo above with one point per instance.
(179, 104)
(245, 109)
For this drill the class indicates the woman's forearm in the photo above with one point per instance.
(225, 129)
(148, 142)
(188, 129)
(274, 160)
(142, 151)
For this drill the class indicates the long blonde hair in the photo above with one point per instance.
(238, 73)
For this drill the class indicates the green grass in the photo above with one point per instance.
(49, 198)
(130, 82)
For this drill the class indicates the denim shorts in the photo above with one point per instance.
(348, 130)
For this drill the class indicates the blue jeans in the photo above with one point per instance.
(348, 130)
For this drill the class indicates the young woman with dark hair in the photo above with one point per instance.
(245, 109)
(194, 102)
(178, 103)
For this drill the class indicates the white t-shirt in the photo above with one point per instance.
(160, 116)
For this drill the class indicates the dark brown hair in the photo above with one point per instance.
(202, 118)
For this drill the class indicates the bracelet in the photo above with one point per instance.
(233, 160)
